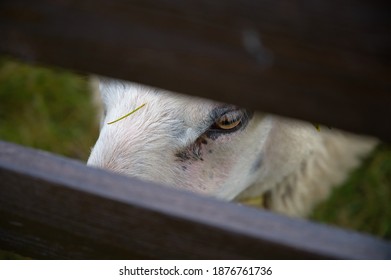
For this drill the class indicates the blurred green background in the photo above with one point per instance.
(51, 109)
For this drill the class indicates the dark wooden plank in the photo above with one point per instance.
(52, 207)
(324, 61)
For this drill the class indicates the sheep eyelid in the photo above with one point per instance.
(243, 115)
(228, 121)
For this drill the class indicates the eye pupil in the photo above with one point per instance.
(226, 122)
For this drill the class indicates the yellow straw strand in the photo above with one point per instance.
(127, 115)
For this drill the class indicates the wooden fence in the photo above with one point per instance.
(323, 61)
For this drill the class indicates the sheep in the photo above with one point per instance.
(222, 150)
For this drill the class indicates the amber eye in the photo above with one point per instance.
(228, 121)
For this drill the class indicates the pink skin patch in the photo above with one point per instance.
(203, 174)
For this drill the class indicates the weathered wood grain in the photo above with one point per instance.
(55, 208)
(323, 61)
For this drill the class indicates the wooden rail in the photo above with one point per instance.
(52, 207)
(324, 61)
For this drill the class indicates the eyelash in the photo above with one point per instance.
(229, 121)
(233, 114)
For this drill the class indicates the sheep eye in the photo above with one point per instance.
(228, 121)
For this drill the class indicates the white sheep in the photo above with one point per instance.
(222, 150)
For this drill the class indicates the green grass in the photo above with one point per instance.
(46, 109)
(51, 110)
(363, 202)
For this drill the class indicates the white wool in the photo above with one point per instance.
(167, 141)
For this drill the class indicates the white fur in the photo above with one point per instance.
(290, 161)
